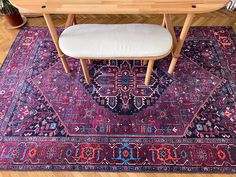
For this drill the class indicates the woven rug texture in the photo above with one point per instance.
(185, 122)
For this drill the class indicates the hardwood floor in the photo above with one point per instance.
(6, 39)
(219, 18)
(92, 174)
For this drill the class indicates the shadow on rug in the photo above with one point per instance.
(185, 122)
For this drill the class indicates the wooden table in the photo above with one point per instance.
(166, 7)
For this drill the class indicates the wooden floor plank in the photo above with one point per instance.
(104, 174)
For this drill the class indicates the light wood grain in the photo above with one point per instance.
(6, 39)
(54, 35)
(218, 18)
(180, 43)
(70, 20)
(149, 71)
(85, 70)
(120, 6)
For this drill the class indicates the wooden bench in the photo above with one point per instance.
(117, 41)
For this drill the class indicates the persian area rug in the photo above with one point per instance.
(185, 122)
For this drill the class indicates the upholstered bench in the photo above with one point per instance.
(117, 41)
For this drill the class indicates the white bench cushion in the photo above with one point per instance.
(116, 40)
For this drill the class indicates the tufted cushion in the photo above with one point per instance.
(118, 40)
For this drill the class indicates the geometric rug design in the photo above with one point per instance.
(185, 122)
(119, 86)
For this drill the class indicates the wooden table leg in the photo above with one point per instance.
(180, 43)
(74, 21)
(145, 62)
(90, 61)
(70, 20)
(54, 35)
(149, 71)
(85, 70)
(171, 29)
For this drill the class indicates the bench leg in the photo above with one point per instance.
(149, 72)
(85, 70)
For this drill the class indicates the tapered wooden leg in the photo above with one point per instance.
(70, 20)
(163, 22)
(149, 72)
(54, 35)
(180, 43)
(145, 62)
(170, 28)
(74, 21)
(90, 61)
(85, 70)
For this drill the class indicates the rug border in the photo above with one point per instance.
(87, 168)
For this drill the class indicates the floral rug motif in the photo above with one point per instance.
(185, 122)
(119, 86)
